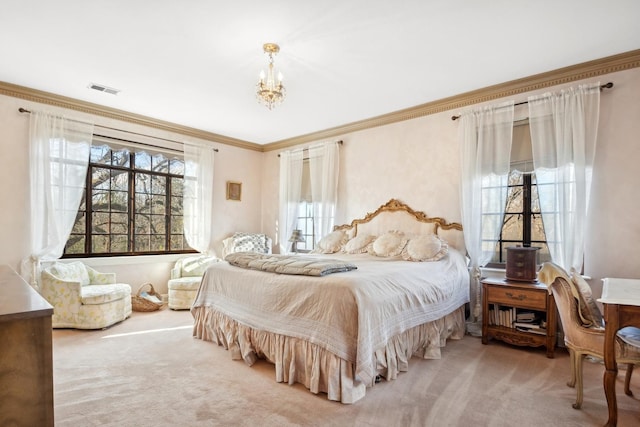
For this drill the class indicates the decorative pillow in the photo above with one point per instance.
(425, 247)
(331, 243)
(587, 308)
(71, 271)
(359, 244)
(389, 244)
(250, 242)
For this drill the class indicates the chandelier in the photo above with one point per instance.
(268, 92)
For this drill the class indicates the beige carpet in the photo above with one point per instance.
(149, 371)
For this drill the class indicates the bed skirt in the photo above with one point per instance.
(299, 361)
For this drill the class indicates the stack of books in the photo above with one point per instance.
(528, 321)
(524, 321)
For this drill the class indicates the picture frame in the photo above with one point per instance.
(234, 190)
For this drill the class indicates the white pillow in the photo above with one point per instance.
(359, 244)
(425, 247)
(331, 243)
(389, 244)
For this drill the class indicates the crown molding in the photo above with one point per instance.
(607, 65)
(48, 98)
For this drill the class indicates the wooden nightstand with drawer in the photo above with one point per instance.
(508, 306)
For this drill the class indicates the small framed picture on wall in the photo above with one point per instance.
(234, 190)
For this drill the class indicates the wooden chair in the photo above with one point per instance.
(582, 340)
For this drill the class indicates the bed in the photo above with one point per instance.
(343, 332)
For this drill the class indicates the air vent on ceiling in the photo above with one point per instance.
(103, 88)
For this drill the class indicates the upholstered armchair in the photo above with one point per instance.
(186, 276)
(84, 298)
(583, 327)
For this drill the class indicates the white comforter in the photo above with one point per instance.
(350, 314)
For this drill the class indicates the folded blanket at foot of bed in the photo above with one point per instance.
(288, 264)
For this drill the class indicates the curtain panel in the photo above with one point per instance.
(289, 195)
(198, 196)
(485, 145)
(324, 165)
(59, 150)
(564, 127)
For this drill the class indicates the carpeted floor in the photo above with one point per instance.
(149, 371)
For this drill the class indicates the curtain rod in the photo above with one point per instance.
(339, 142)
(24, 110)
(602, 87)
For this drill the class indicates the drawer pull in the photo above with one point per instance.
(520, 297)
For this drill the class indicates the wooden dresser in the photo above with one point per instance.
(26, 360)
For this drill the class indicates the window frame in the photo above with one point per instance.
(132, 173)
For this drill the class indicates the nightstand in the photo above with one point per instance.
(504, 301)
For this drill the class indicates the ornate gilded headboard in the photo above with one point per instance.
(396, 215)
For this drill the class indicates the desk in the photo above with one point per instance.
(621, 299)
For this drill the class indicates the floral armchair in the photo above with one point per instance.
(186, 276)
(84, 298)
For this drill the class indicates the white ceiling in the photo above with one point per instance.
(196, 62)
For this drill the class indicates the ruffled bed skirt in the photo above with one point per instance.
(299, 361)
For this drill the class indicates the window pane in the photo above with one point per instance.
(119, 243)
(142, 244)
(143, 226)
(177, 225)
(176, 167)
(119, 223)
(119, 202)
(157, 243)
(100, 154)
(177, 186)
(157, 205)
(176, 206)
(143, 203)
(143, 183)
(101, 179)
(120, 158)
(158, 185)
(100, 244)
(512, 227)
(75, 244)
(537, 228)
(143, 161)
(177, 242)
(515, 200)
(158, 224)
(119, 180)
(160, 163)
(80, 224)
(100, 223)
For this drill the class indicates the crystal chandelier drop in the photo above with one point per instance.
(268, 92)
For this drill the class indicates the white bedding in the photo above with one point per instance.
(351, 314)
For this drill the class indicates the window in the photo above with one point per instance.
(522, 224)
(305, 211)
(305, 225)
(132, 205)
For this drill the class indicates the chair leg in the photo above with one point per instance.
(627, 379)
(578, 358)
(572, 356)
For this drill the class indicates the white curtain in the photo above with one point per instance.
(563, 140)
(324, 165)
(485, 145)
(290, 189)
(198, 196)
(59, 150)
